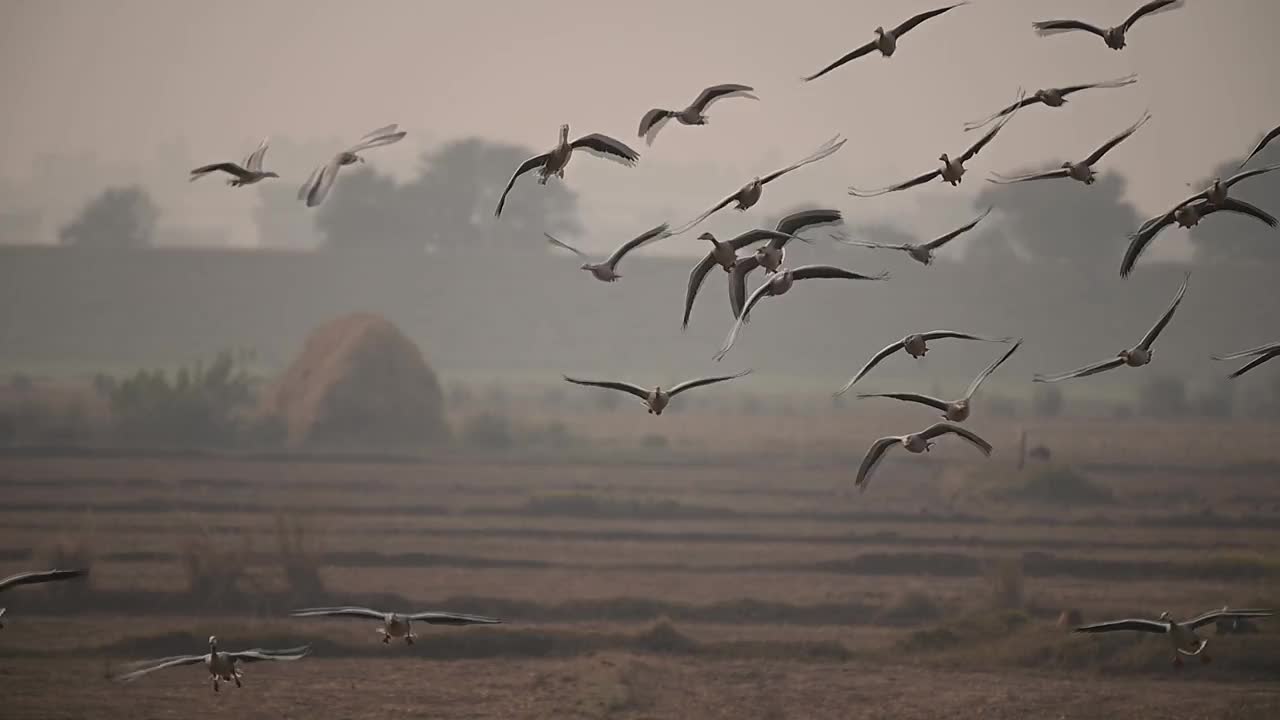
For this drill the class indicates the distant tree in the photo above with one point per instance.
(116, 218)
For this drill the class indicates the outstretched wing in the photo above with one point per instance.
(1151, 8)
(648, 236)
(822, 272)
(1149, 626)
(720, 92)
(41, 576)
(1248, 174)
(691, 384)
(612, 385)
(1085, 371)
(253, 163)
(1139, 240)
(1261, 349)
(991, 134)
(344, 611)
(305, 189)
(263, 655)
(551, 239)
(946, 428)
(826, 150)
(1275, 133)
(1254, 363)
(1031, 100)
(322, 181)
(939, 242)
(904, 185)
(689, 225)
(875, 360)
(763, 290)
(738, 283)
(932, 402)
(866, 244)
(146, 667)
(999, 179)
(872, 460)
(378, 138)
(536, 161)
(796, 222)
(445, 618)
(1097, 154)
(381, 132)
(912, 22)
(1054, 27)
(652, 122)
(1155, 330)
(229, 168)
(977, 381)
(1118, 82)
(1236, 205)
(696, 277)
(1226, 614)
(606, 147)
(847, 57)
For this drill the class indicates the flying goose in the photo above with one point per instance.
(1218, 190)
(1181, 634)
(1275, 132)
(1134, 357)
(769, 255)
(1114, 37)
(922, 253)
(749, 194)
(657, 398)
(1260, 354)
(1081, 171)
(35, 577)
(317, 186)
(782, 281)
(914, 443)
(246, 173)
(953, 410)
(695, 114)
(1185, 216)
(221, 665)
(554, 161)
(952, 169)
(916, 345)
(397, 625)
(1051, 97)
(886, 41)
(607, 271)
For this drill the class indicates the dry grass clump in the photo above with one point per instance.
(299, 558)
(1006, 583)
(215, 567)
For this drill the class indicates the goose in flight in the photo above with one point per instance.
(1186, 216)
(317, 186)
(769, 255)
(914, 443)
(1260, 354)
(1218, 190)
(1133, 357)
(656, 399)
(36, 577)
(1080, 171)
(749, 194)
(952, 170)
(1051, 97)
(246, 173)
(695, 114)
(222, 666)
(397, 625)
(607, 270)
(1275, 132)
(916, 345)
(886, 41)
(1114, 37)
(952, 410)
(780, 283)
(554, 161)
(1182, 635)
(922, 253)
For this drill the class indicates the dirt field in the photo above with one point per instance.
(637, 590)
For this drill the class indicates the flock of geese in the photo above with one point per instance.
(770, 255)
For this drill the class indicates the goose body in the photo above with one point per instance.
(397, 625)
(655, 399)
(1182, 635)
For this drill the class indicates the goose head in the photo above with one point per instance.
(879, 31)
(945, 158)
(709, 237)
(213, 643)
(1165, 616)
(564, 134)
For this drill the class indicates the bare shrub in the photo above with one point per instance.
(299, 558)
(1006, 583)
(214, 567)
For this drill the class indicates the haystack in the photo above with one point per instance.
(359, 384)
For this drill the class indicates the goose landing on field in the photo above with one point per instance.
(655, 400)
(554, 162)
(953, 410)
(397, 625)
(916, 345)
(222, 666)
(914, 443)
(1182, 635)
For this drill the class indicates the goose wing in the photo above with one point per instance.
(904, 185)
(943, 240)
(146, 667)
(536, 161)
(867, 244)
(1261, 349)
(977, 381)
(1151, 8)
(1226, 614)
(763, 290)
(606, 147)
(229, 168)
(612, 385)
(691, 384)
(1139, 240)
(1118, 82)
(1155, 330)
(344, 611)
(714, 208)
(322, 181)
(696, 277)
(912, 22)
(648, 236)
(305, 189)
(932, 402)
(652, 122)
(253, 163)
(795, 222)
(847, 57)
(1149, 626)
(1029, 100)
(551, 239)
(1248, 174)
(720, 92)
(826, 150)
(372, 140)
(380, 132)
(1275, 132)
(1240, 207)
(999, 179)
(447, 618)
(1053, 27)
(871, 461)
(947, 334)
(1265, 357)
(991, 134)
(1106, 147)
(875, 360)
(41, 576)
(262, 654)
(774, 237)
(946, 428)
(738, 283)
(1085, 371)
(821, 272)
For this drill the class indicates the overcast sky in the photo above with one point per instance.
(149, 86)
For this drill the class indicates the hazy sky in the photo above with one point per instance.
(150, 86)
